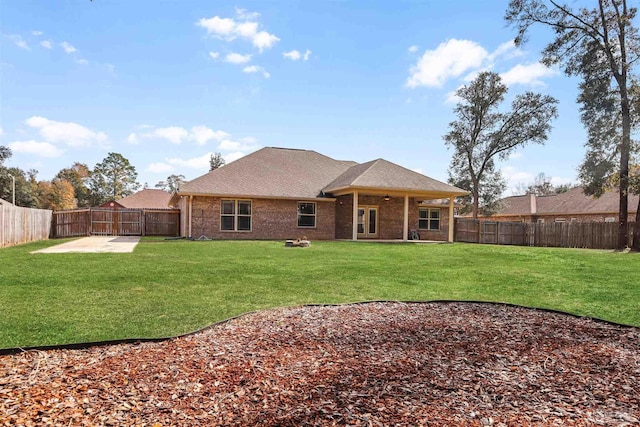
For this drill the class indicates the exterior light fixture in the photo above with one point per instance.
(387, 198)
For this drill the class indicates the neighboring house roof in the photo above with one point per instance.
(573, 201)
(146, 199)
(292, 173)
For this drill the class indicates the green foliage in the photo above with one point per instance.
(171, 287)
(216, 161)
(112, 179)
(172, 184)
(481, 133)
(602, 46)
(78, 175)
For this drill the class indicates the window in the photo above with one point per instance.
(429, 219)
(540, 220)
(307, 214)
(610, 219)
(560, 220)
(235, 215)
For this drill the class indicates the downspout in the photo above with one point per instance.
(190, 211)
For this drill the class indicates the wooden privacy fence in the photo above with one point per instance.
(22, 225)
(116, 222)
(592, 235)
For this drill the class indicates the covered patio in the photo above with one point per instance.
(392, 203)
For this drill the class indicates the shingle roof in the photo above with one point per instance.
(383, 174)
(148, 199)
(573, 201)
(270, 172)
(291, 173)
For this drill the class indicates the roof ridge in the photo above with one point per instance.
(367, 169)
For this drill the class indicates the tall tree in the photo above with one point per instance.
(56, 195)
(172, 184)
(78, 175)
(216, 161)
(481, 133)
(112, 179)
(24, 190)
(601, 45)
(5, 153)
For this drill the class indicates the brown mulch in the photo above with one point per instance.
(375, 364)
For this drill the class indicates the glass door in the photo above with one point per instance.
(368, 222)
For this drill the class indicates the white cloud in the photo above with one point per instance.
(47, 44)
(82, 61)
(236, 58)
(43, 149)
(413, 48)
(68, 48)
(202, 134)
(506, 50)
(230, 157)
(19, 41)
(72, 134)
(527, 74)
(214, 55)
(256, 69)
(133, 139)
(228, 29)
(247, 144)
(264, 40)
(1, 132)
(201, 162)
(173, 134)
(293, 55)
(244, 14)
(37, 33)
(159, 168)
(450, 59)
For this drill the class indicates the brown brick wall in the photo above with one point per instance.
(344, 212)
(271, 219)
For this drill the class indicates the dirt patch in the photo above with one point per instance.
(370, 364)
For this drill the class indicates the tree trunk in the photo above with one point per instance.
(625, 146)
(635, 247)
(476, 202)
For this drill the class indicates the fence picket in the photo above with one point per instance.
(592, 235)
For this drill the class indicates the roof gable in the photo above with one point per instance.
(383, 174)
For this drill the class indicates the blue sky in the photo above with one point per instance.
(165, 83)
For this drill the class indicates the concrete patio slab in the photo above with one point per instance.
(94, 244)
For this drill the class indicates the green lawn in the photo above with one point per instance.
(172, 287)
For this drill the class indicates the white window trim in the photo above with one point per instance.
(235, 216)
(429, 219)
(314, 215)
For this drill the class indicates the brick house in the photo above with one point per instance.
(573, 205)
(281, 193)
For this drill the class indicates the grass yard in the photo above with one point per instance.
(172, 287)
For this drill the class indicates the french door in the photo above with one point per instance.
(368, 222)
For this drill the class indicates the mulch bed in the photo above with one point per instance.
(375, 364)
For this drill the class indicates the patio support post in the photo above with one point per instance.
(451, 220)
(405, 229)
(190, 211)
(354, 233)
